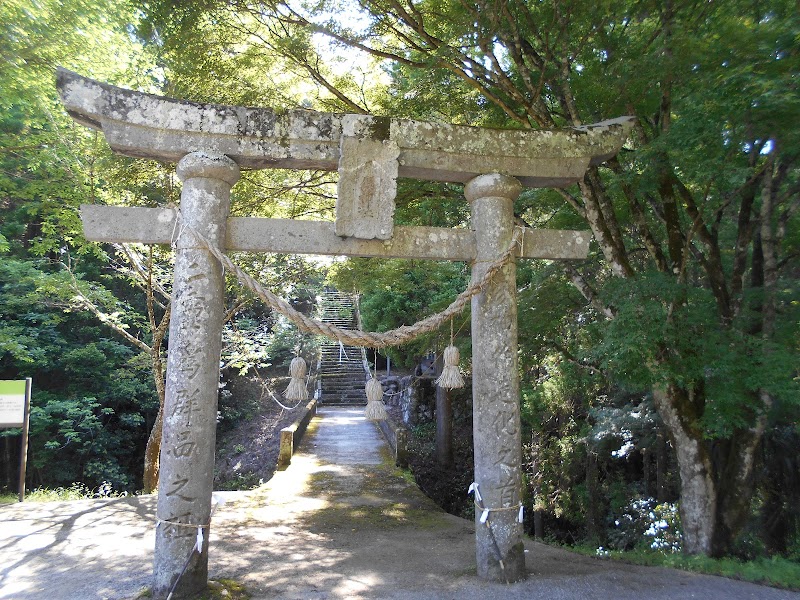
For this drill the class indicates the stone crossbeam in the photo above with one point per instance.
(146, 126)
(290, 236)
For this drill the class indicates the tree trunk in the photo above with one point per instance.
(661, 465)
(151, 454)
(444, 428)
(716, 491)
(535, 483)
(7, 461)
(698, 493)
(735, 474)
(538, 524)
(594, 519)
(153, 448)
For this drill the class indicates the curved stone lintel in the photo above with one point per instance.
(148, 126)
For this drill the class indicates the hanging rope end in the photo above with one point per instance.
(297, 391)
(451, 377)
(376, 409)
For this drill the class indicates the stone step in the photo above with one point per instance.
(356, 391)
(333, 363)
(340, 373)
(336, 351)
(344, 385)
(336, 401)
(349, 364)
(356, 387)
(345, 364)
(342, 377)
(346, 392)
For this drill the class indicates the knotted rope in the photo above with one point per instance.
(356, 337)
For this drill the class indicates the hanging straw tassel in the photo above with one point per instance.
(376, 409)
(451, 375)
(296, 390)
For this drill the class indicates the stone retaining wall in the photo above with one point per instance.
(291, 435)
(397, 436)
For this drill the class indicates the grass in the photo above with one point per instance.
(76, 491)
(8, 498)
(775, 571)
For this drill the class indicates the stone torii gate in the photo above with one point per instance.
(210, 143)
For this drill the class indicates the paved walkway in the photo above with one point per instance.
(340, 522)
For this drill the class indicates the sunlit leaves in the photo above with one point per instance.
(668, 333)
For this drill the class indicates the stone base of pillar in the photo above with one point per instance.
(512, 569)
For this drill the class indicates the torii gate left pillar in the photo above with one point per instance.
(190, 404)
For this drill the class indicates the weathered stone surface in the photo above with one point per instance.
(495, 383)
(290, 236)
(147, 126)
(367, 188)
(292, 435)
(190, 406)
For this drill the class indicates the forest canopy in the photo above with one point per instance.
(677, 338)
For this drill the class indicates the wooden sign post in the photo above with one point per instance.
(15, 408)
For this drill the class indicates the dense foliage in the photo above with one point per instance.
(662, 369)
(86, 322)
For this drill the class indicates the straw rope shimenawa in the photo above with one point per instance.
(356, 337)
(450, 378)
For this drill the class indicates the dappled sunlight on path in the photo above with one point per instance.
(329, 525)
(47, 549)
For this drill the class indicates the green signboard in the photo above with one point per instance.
(12, 403)
(15, 405)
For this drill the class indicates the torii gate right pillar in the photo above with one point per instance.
(495, 383)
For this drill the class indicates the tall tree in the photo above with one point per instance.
(48, 167)
(695, 223)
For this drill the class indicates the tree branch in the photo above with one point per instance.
(588, 292)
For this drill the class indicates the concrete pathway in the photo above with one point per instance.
(340, 522)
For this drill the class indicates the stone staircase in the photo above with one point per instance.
(341, 374)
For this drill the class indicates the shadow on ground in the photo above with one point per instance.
(340, 522)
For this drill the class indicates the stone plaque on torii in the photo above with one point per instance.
(210, 143)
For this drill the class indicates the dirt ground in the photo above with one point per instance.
(340, 522)
(248, 452)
